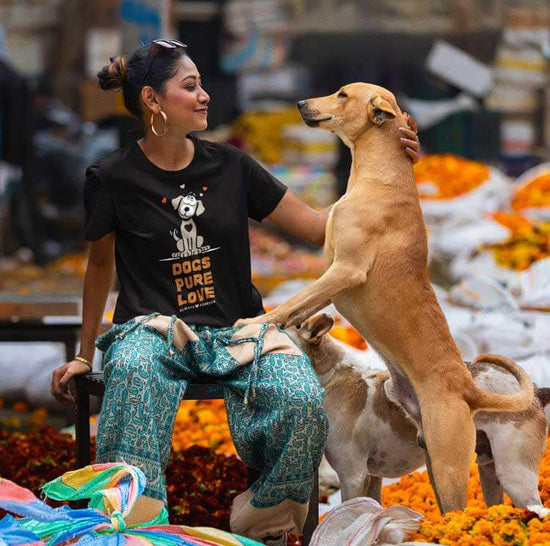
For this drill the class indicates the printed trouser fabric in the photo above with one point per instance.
(273, 398)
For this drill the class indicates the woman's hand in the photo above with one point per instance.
(409, 138)
(62, 376)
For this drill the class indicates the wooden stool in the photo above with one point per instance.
(92, 384)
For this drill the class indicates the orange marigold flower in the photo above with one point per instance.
(20, 407)
(203, 423)
(477, 525)
(535, 193)
(444, 176)
(528, 242)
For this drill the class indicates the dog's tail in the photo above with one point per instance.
(489, 401)
(543, 394)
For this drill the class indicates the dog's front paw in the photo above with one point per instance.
(295, 319)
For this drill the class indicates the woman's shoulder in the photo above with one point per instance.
(111, 164)
(224, 149)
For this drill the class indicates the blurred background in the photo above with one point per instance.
(473, 73)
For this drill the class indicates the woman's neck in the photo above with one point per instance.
(169, 152)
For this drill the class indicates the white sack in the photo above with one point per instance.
(362, 522)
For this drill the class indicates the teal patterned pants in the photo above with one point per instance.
(274, 405)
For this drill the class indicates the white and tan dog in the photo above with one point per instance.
(371, 436)
(376, 252)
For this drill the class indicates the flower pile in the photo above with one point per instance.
(201, 484)
(445, 176)
(202, 423)
(535, 193)
(33, 458)
(22, 416)
(63, 276)
(498, 525)
(529, 242)
(477, 525)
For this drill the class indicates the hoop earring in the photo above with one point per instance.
(164, 117)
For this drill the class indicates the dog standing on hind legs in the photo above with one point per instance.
(376, 255)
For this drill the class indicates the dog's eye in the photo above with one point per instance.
(342, 95)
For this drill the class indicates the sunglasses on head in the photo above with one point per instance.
(154, 48)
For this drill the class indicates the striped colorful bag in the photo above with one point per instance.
(112, 489)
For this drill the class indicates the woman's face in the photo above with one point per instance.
(184, 101)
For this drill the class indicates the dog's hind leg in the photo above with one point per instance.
(449, 433)
(353, 474)
(490, 484)
(517, 461)
(374, 490)
(355, 484)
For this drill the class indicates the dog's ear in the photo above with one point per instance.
(176, 201)
(314, 328)
(380, 110)
(200, 208)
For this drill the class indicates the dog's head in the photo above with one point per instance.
(310, 334)
(188, 206)
(314, 328)
(351, 111)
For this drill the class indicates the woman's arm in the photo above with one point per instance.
(299, 219)
(97, 283)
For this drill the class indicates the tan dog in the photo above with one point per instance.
(376, 252)
(371, 437)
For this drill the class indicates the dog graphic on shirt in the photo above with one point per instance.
(188, 241)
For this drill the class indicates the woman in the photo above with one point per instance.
(177, 208)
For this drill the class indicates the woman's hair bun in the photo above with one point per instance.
(112, 76)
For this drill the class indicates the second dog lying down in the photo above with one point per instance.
(371, 436)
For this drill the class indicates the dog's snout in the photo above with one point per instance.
(301, 104)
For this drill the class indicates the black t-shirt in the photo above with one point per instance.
(181, 237)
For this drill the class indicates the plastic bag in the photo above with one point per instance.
(465, 236)
(362, 521)
(532, 287)
(483, 293)
(480, 264)
(490, 196)
(533, 213)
